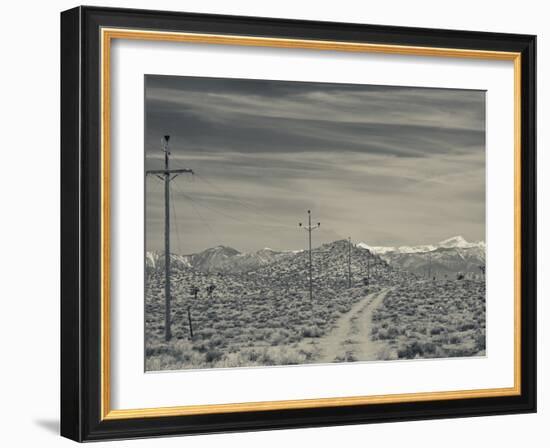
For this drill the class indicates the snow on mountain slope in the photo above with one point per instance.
(451, 256)
(449, 243)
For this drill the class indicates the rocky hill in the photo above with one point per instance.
(330, 267)
(266, 269)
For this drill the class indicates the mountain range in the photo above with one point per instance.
(455, 242)
(219, 259)
(266, 269)
(448, 257)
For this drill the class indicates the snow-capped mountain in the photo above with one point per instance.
(449, 243)
(217, 259)
(460, 242)
(448, 257)
(380, 250)
(214, 257)
(155, 260)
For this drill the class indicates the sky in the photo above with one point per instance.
(385, 165)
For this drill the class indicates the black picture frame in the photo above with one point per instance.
(81, 224)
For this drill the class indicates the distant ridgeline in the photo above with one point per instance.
(449, 258)
(331, 265)
(228, 260)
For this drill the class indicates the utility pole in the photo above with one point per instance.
(309, 229)
(167, 175)
(194, 291)
(190, 321)
(349, 261)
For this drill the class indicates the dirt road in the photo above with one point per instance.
(350, 339)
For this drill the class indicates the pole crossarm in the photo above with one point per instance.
(310, 228)
(170, 172)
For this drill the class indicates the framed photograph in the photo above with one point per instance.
(276, 224)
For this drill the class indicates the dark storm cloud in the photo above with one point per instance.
(265, 151)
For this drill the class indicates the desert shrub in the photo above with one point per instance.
(480, 341)
(220, 326)
(282, 356)
(152, 351)
(467, 326)
(347, 357)
(230, 333)
(206, 333)
(460, 351)
(393, 332)
(411, 350)
(234, 359)
(342, 309)
(213, 355)
(175, 359)
(428, 348)
(201, 346)
(311, 332)
(294, 337)
(216, 341)
(383, 334)
(252, 355)
(455, 339)
(152, 363)
(278, 337)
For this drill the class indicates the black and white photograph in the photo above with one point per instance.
(293, 223)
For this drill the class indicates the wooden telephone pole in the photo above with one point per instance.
(309, 229)
(167, 175)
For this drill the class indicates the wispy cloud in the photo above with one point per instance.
(383, 164)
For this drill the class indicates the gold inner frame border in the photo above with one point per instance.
(107, 36)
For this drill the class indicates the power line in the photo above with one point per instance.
(227, 215)
(176, 223)
(199, 214)
(248, 205)
(224, 214)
